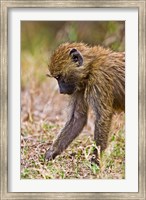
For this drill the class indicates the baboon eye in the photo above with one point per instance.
(76, 56)
(57, 77)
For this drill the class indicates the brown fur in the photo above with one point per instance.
(99, 82)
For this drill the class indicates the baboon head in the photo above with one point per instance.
(69, 68)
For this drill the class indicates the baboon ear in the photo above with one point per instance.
(76, 57)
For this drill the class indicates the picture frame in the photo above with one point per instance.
(5, 5)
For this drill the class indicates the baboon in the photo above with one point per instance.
(91, 76)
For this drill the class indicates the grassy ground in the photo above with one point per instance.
(43, 109)
(43, 113)
(75, 161)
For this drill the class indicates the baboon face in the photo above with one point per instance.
(64, 68)
(65, 87)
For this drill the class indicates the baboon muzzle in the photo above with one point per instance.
(66, 88)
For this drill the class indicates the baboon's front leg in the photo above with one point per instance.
(72, 128)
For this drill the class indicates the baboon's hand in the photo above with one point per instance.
(51, 154)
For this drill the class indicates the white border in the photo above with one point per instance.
(130, 16)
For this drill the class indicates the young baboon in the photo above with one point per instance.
(91, 76)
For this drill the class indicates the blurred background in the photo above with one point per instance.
(43, 109)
